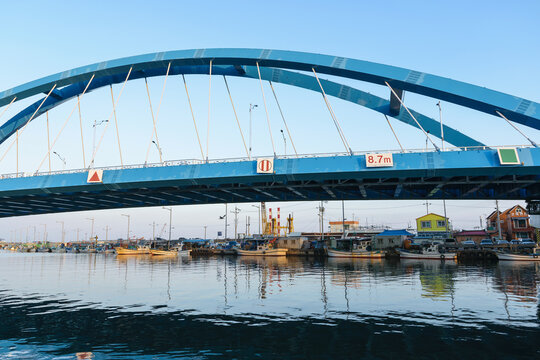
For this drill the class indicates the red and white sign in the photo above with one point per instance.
(95, 176)
(265, 166)
(379, 160)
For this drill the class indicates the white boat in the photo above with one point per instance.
(262, 251)
(430, 253)
(518, 257)
(361, 254)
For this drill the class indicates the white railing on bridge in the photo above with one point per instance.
(242, 159)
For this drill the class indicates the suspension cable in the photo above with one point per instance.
(193, 116)
(333, 115)
(410, 113)
(109, 118)
(153, 124)
(116, 125)
(266, 110)
(283, 117)
(64, 125)
(235, 115)
(82, 138)
(48, 139)
(393, 132)
(30, 119)
(7, 107)
(209, 97)
(508, 121)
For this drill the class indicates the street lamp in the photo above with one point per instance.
(63, 159)
(205, 226)
(284, 141)
(128, 218)
(96, 124)
(259, 211)
(158, 148)
(92, 232)
(60, 222)
(251, 107)
(170, 222)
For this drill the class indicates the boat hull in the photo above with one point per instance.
(445, 256)
(517, 257)
(266, 252)
(355, 254)
(124, 251)
(163, 253)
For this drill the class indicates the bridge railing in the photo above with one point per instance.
(243, 159)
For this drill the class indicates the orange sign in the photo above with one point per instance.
(95, 176)
(265, 166)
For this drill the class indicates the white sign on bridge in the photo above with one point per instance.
(265, 165)
(379, 160)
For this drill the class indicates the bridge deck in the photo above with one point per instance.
(473, 174)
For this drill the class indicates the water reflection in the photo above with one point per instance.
(138, 307)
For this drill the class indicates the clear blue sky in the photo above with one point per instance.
(489, 43)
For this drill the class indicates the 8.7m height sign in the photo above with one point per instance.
(379, 160)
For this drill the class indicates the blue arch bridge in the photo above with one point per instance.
(468, 170)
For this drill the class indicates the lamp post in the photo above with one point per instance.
(63, 159)
(170, 224)
(96, 124)
(205, 226)
(61, 222)
(259, 211)
(128, 219)
(158, 148)
(284, 141)
(91, 232)
(251, 107)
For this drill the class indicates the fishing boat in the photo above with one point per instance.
(139, 250)
(361, 254)
(262, 251)
(432, 252)
(518, 257)
(172, 252)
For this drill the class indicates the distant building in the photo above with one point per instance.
(474, 235)
(514, 224)
(390, 239)
(432, 226)
(337, 226)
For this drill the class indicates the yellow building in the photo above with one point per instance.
(432, 225)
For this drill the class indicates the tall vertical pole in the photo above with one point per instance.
(48, 142)
(343, 217)
(498, 218)
(442, 129)
(250, 108)
(445, 218)
(153, 230)
(226, 214)
(17, 152)
(63, 233)
(78, 234)
(205, 226)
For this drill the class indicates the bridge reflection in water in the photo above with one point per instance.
(138, 307)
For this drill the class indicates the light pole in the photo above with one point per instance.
(442, 129)
(170, 224)
(61, 222)
(63, 159)
(158, 148)
(96, 124)
(259, 211)
(284, 141)
(128, 218)
(205, 226)
(235, 212)
(251, 107)
(107, 233)
(45, 233)
(91, 232)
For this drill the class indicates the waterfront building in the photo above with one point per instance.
(514, 224)
(474, 235)
(337, 226)
(390, 239)
(432, 226)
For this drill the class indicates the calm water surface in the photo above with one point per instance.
(53, 306)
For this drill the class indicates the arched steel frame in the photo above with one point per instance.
(241, 62)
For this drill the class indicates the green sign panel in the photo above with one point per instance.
(508, 156)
